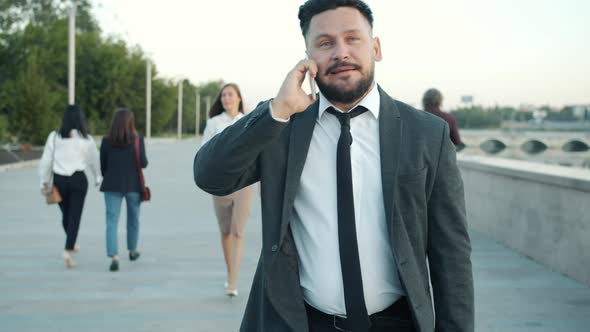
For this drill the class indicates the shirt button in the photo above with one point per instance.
(274, 248)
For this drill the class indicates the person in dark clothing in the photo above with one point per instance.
(432, 100)
(121, 180)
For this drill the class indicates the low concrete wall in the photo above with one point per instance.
(541, 211)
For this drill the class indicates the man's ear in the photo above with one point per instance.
(377, 49)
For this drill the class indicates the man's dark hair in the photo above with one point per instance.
(73, 118)
(432, 98)
(313, 7)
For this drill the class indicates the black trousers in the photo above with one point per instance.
(396, 318)
(73, 191)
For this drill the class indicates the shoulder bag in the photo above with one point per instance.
(146, 194)
(52, 195)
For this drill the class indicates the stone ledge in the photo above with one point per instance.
(568, 177)
(18, 165)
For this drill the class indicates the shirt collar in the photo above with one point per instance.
(372, 102)
(227, 118)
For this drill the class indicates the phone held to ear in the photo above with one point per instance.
(312, 86)
(312, 83)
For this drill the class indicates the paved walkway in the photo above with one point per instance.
(177, 284)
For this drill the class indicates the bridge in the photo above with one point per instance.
(177, 284)
(553, 147)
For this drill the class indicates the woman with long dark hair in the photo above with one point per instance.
(232, 211)
(67, 153)
(121, 180)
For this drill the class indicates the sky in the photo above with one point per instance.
(501, 52)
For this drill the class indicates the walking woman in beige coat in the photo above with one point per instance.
(232, 211)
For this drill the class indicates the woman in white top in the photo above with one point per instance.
(67, 153)
(232, 211)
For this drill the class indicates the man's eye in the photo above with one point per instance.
(325, 44)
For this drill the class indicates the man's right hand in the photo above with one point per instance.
(291, 98)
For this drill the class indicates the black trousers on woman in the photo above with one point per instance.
(73, 191)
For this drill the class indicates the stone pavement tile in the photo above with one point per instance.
(514, 293)
(177, 284)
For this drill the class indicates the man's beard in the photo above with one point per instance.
(339, 95)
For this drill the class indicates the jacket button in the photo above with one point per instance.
(274, 248)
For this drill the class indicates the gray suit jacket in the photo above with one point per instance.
(424, 205)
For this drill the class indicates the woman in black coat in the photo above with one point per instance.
(119, 167)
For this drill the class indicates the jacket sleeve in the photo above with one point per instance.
(449, 247)
(454, 131)
(92, 159)
(209, 131)
(229, 160)
(104, 157)
(46, 162)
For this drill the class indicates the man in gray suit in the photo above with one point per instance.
(362, 200)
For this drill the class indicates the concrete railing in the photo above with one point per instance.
(494, 141)
(541, 211)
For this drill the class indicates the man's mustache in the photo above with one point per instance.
(341, 64)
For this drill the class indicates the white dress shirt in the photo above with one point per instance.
(217, 124)
(315, 217)
(72, 154)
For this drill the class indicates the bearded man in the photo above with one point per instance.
(363, 213)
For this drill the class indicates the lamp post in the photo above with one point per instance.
(179, 130)
(148, 98)
(207, 103)
(72, 55)
(197, 114)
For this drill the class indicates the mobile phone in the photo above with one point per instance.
(312, 83)
(312, 86)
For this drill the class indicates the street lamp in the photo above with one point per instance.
(197, 113)
(179, 129)
(148, 98)
(72, 55)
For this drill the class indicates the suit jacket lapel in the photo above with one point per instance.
(390, 139)
(299, 139)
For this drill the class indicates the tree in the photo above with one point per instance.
(32, 102)
(16, 14)
(163, 104)
(109, 74)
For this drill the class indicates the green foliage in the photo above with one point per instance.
(33, 118)
(478, 117)
(566, 114)
(16, 14)
(164, 95)
(4, 136)
(109, 75)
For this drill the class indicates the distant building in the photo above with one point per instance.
(582, 112)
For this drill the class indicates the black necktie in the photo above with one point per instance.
(354, 299)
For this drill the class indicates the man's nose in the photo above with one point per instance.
(341, 52)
